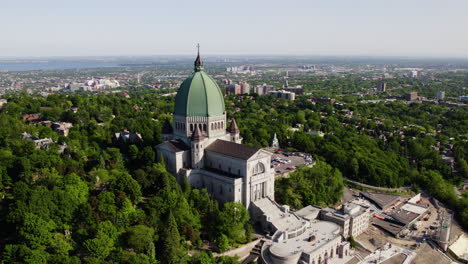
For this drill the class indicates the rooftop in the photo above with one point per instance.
(308, 212)
(319, 233)
(232, 149)
(390, 227)
(283, 221)
(404, 216)
(177, 145)
(382, 200)
(414, 208)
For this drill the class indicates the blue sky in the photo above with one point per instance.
(151, 27)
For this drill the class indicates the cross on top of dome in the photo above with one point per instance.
(198, 61)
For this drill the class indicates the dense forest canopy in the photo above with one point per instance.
(100, 202)
(97, 201)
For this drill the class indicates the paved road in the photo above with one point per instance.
(401, 189)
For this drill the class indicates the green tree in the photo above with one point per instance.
(35, 231)
(232, 219)
(99, 246)
(222, 243)
(140, 238)
(170, 248)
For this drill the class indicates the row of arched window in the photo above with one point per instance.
(201, 126)
(214, 126)
(217, 125)
(180, 126)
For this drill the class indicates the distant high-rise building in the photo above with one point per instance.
(297, 90)
(245, 88)
(440, 95)
(411, 96)
(263, 89)
(233, 89)
(413, 74)
(382, 86)
(283, 94)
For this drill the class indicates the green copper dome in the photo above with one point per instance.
(199, 95)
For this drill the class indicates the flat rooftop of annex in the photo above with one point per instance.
(283, 221)
(318, 233)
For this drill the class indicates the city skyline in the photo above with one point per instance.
(335, 28)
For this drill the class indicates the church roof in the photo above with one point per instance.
(232, 149)
(177, 145)
(199, 95)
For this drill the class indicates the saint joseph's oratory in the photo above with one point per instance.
(200, 146)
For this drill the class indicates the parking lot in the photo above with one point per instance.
(283, 163)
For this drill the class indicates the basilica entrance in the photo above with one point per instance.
(258, 191)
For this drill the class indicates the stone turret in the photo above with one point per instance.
(197, 145)
(235, 132)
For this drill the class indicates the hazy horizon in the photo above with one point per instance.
(53, 28)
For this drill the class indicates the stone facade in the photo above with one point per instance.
(200, 148)
(353, 219)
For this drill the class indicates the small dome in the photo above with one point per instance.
(199, 95)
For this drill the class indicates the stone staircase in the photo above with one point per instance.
(254, 253)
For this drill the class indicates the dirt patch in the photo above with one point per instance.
(398, 259)
(426, 254)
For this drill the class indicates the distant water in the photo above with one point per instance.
(54, 65)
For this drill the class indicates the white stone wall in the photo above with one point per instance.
(360, 223)
(328, 251)
(261, 183)
(223, 189)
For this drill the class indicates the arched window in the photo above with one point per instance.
(258, 168)
(191, 127)
(204, 127)
(200, 126)
(261, 168)
(212, 127)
